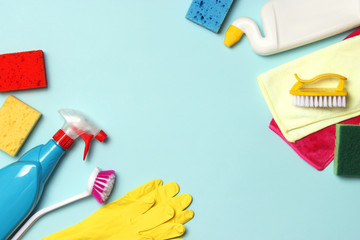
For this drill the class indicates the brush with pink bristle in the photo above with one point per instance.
(100, 185)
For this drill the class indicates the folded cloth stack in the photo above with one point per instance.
(311, 131)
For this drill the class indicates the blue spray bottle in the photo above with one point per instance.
(22, 182)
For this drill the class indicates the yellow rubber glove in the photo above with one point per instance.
(150, 212)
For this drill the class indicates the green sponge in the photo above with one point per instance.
(347, 150)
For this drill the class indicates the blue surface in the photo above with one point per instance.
(177, 105)
(209, 13)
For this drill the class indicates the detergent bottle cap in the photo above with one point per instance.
(77, 125)
(62, 139)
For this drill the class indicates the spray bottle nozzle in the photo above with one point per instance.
(88, 137)
(77, 125)
(101, 136)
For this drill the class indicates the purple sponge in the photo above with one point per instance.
(209, 13)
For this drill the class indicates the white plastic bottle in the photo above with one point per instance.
(291, 23)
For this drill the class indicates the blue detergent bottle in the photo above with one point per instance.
(22, 182)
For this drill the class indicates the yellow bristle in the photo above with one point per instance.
(17, 120)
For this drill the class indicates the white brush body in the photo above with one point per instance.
(92, 182)
(19, 234)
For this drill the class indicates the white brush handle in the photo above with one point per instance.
(43, 211)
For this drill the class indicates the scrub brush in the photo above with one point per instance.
(100, 185)
(319, 97)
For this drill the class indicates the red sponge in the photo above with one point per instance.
(22, 70)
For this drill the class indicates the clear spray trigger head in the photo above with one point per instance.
(78, 125)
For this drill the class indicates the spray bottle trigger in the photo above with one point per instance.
(87, 139)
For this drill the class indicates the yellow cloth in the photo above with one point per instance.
(297, 122)
(150, 212)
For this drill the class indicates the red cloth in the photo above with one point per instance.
(353, 34)
(317, 148)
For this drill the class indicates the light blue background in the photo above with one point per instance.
(177, 105)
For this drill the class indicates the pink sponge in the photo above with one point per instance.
(23, 70)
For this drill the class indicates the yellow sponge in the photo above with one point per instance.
(17, 120)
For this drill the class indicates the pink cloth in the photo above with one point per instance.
(353, 34)
(317, 148)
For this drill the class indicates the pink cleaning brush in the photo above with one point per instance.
(100, 185)
(103, 185)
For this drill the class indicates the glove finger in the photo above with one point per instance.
(166, 231)
(166, 192)
(139, 207)
(183, 217)
(143, 189)
(181, 202)
(153, 218)
(145, 238)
